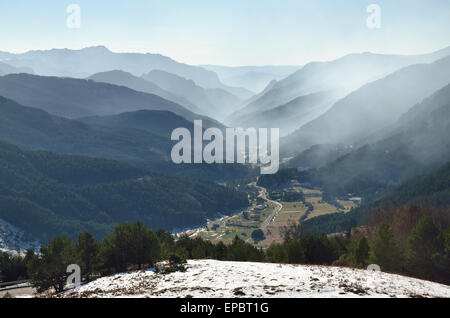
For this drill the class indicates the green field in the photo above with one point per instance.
(244, 223)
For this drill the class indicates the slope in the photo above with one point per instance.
(46, 194)
(372, 107)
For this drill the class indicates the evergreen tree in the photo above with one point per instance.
(362, 252)
(295, 251)
(443, 259)
(384, 250)
(145, 245)
(425, 243)
(258, 235)
(276, 253)
(87, 250)
(49, 268)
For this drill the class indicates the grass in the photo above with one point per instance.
(238, 225)
(291, 212)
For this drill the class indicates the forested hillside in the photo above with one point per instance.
(430, 189)
(47, 194)
(417, 142)
(140, 138)
(74, 98)
(371, 108)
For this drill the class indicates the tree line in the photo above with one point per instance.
(413, 241)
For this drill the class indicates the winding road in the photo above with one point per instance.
(278, 206)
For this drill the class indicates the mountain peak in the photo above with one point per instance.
(96, 49)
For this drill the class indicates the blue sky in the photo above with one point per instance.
(229, 32)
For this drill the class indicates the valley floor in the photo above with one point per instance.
(211, 278)
(271, 216)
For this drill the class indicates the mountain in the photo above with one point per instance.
(85, 62)
(96, 59)
(269, 86)
(140, 138)
(290, 116)
(153, 121)
(416, 143)
(36, 129)
(253, 78)
(72, 98)
(157, 122)
(126, 79)
(8, 69)
(214, 102)
(430, 189)
(253, 81)
(316, 156)
(345, 74)
(372, 107)
(45, 194)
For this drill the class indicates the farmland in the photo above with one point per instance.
(269, 215)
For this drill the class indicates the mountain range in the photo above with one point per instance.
(341, 76)
(88, 61)
(415, 143)
(85, 134)
(47, 194)
(372, 107)
(121, 78)
(253, 78)
(214, 102)
(74, 98)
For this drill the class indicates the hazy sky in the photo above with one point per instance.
(229, 32)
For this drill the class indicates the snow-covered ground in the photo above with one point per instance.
(211, 278)
(12, 240)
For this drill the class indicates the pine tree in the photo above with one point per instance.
(87, 250)
(49, 269)
(425, 243)
(362, 252)
(384, 250)
(145, 245)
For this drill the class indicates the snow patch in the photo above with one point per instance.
(13, 240)
(212, 278)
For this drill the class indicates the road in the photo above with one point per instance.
(20, 290)
(278, 206)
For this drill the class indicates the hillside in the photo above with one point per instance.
(154, 121)
(429, 188)
(91, 60)
(417, 141)
(140, 138)
(122, 78)
(317, 156)
(371, 108)
(290, 116)
(215, 102)
(254, 78)
(95, 59)
(8, 69)
(73, 98)
(345, 74)
(210, 278)
(35, 129)
(45, 194)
